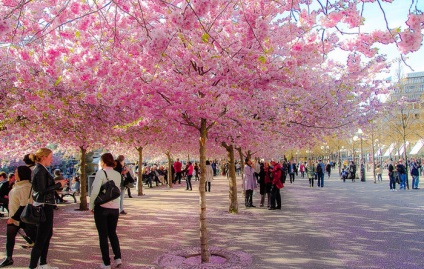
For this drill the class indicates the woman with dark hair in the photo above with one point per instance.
(18, 198)
(29, 160)
(106, 215)
(209, 176)
(189, 174)
(44, 188)
(122, 169)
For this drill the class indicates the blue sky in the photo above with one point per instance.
(396, 14)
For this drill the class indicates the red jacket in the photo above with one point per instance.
(276, 176)
(177, 167)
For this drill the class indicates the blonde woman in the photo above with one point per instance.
(44, 187)
(310, 171)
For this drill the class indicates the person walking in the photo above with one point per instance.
(328, 169)
(379, 172)
(415, 173)
(310, 171)
(189, 175)
(249, 183)
(392, 179)
(268, 182)
(400, 168)
(5, 188)
(292, 170)
(276, 186)
(178, 171)
(302, 169)
(320, 173)
(209, 176)
(352, 171)
(106, 215)
(122, 170)
(44, 188)
(18, 198)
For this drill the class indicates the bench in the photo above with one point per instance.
(68, 193)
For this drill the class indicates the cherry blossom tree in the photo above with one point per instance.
(199, 63)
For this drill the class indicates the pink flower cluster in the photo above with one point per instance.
(4, 28)
(411, 38)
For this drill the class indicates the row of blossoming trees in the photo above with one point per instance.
(178, 76)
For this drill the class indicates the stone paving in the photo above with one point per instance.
(343, 225)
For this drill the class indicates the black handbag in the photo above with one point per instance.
(129, 181)
(108, 192)
(33, 214)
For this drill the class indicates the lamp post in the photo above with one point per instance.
(360, 133)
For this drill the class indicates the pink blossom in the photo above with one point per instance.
(4, 27)
(410, 41)
(415, 21)
(75, 7)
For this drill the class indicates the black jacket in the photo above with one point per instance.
(43, 185)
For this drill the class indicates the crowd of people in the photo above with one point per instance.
(33, 181)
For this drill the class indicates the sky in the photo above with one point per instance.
(397, 14)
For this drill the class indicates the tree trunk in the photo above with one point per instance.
(83, 189)
(249, 155)
(233, 207)
(140, 171)
(405, 157)
(373, 154)
(203, 229)
(170, 176)
(242, 167)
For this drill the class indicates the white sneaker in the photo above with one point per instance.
(102, 266)
(118, 263)
(46, 266)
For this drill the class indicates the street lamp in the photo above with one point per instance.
(360, 134)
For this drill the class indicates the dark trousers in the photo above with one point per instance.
(129, 192)
(12, 231)
(248, 200)
(284, 176)
(320, 180)
(275, 198)
(291, 177)
(42, 239)
(311, 182)
(106, 220)
(178, 177)
(208, 186)
(188, 181)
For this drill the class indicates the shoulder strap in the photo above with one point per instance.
(29, 195)
(107, 178)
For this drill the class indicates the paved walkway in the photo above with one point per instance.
(343, 225)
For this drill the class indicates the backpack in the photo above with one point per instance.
(319, 169)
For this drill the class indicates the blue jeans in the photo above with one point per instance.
(415, 181)
(402, 178)
(321, 180)
(392, 182)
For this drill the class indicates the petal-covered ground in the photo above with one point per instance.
(343, 225)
